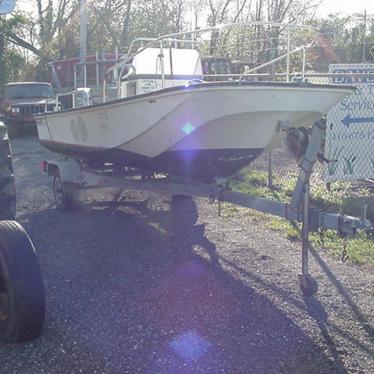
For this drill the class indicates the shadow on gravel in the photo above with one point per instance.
(358, 315)
(127, 293)
(318, 313)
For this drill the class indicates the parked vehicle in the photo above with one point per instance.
(24, 100)
(22, 305)
(216, 68)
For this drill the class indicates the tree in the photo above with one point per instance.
(349, 37)
(11, 41)
(115, 23)
(55, 27)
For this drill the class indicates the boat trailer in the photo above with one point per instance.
(69, 176)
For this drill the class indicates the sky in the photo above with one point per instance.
(327, 6)
(346, 7)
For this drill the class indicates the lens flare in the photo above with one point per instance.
(188, 128)
(190, 346)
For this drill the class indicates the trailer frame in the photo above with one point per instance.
(74, 176)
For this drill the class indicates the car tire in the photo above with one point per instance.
(22, 303)
(7, 182)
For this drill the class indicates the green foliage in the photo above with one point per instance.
(11, 59)
(360, 248)
(348, 35)
(53, 31)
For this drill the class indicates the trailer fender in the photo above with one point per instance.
(69, 170)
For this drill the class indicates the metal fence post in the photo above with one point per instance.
(270, 169)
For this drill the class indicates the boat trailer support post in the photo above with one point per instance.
(308, 284)
(308, 161)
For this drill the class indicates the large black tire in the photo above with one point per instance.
(22, 303)
(7, 183)
(13, 132)
(65, 194)
(184, 214)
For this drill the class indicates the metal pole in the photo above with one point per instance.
(288, 53)
(270, 170)
(364, 40)
(162, 66)
(305, 231)
(97, 69)
(84, 75)
(83, 38)
(75, 77)
(304, 58)
(104, 90)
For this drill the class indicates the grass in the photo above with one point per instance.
(340, 199)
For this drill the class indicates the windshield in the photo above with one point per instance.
(218, 66)
(28, 90)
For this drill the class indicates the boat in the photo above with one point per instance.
(168, 120)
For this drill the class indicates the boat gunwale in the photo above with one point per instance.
(197, 86)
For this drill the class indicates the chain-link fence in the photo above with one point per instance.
(344, 183)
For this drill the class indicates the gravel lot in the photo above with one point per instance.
(141, 288)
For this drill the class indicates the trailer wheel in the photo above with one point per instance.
(183, 210)
(308, 285)
(180, 199)
(7, 183)
(64, 193)
(22, 305)
(12, 132)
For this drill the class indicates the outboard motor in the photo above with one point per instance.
(296, 141)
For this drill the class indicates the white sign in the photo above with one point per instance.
(350, 126)
(146, 85)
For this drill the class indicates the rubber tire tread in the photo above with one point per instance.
(7, 182)
(68, 196)
(24, 285)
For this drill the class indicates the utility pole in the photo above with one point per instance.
(83, 41)
(364, 40)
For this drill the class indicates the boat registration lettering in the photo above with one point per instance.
(78, 129)
(103, 117)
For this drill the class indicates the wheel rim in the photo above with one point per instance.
(58, 192)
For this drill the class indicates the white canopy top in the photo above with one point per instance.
(184, 61)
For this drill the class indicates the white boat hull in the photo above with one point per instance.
(229, 120)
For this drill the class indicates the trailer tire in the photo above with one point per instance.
(13, 132)
(183, 210)
(7, 182)
(180, 199)
(64, 193)
(22, 303)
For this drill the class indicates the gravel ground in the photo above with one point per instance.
(139, 287)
